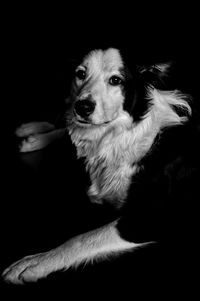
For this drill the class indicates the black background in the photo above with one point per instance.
(37, 211)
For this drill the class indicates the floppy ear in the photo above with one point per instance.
(156, 68)
(156, 75)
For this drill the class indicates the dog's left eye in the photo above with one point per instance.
(115, 80)
(80, 74)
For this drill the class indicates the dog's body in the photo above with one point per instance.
(132, 134)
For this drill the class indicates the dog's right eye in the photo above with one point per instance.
(115, 80)
(80, 74)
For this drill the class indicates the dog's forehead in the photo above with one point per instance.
(103, 60)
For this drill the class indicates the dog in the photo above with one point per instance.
(135, 136)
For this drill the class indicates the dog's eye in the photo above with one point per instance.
(80, 74)
(115, 80)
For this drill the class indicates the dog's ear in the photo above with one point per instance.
(162, 68)
(157, 75)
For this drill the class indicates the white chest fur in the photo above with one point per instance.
(111, 156)
(112, 152)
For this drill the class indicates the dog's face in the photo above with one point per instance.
(104, 89)
(97, 89)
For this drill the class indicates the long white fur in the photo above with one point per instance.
(112, 151)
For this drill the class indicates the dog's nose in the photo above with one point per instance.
(84, 107)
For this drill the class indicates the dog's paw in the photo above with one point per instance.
(32, 128)
(31, 268)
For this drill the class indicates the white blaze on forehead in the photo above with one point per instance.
(112, 60)
(99, 61)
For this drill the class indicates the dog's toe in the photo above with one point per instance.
(31, 268)
(14, 273)
(32, 273)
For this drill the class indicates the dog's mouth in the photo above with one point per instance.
(88, 123)
(82, 121)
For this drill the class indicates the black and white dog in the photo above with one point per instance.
(136, 138)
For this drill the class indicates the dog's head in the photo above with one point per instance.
(97, 89)
(104, 88)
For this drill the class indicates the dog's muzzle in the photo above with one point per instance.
(84, 108)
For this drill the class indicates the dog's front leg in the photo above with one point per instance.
(82, 248)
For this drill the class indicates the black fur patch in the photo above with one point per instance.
(135, 92)
(136, 85)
